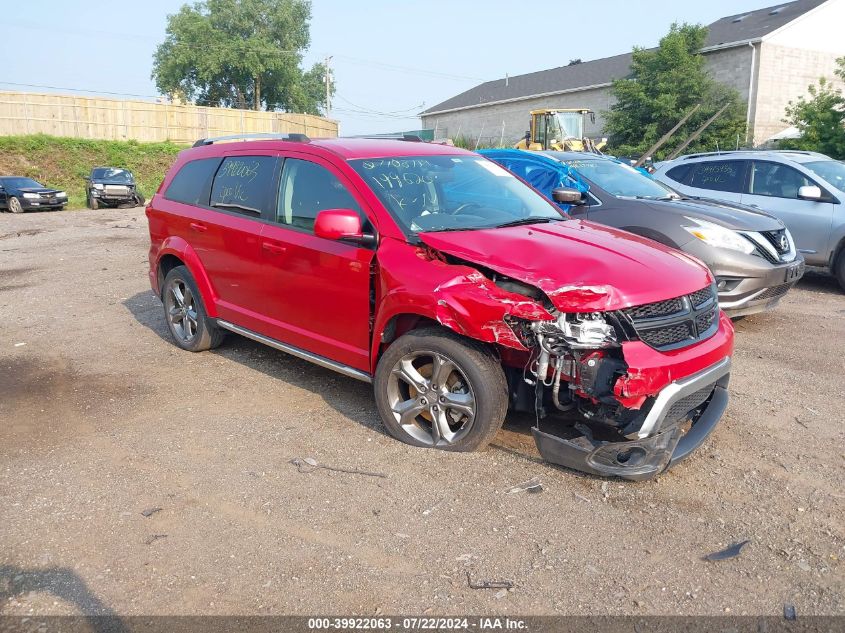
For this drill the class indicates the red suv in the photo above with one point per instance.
(452, 286)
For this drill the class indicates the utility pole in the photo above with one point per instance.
(665, 137)
(328, 88)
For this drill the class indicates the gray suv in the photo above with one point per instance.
(804, 189)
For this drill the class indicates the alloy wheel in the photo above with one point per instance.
(181, 310)
(431, 398)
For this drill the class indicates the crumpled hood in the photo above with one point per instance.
(580, 266)
(731, 215)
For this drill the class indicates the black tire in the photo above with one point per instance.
(15, 205)
(93, 203)
(195, 334)
(478, 376)
(839, 269)
(139, 200)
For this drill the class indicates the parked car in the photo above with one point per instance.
(750, 253)
(452, 287)
(19, 194)
(804, 189)
(112, 186)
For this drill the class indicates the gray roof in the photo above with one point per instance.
(733, 29)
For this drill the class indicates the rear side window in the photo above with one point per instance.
(679, 173)
(245, 184)
(719, 175)
(191, 184)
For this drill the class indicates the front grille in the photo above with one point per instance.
(116, 190)
(664, 336)
(778, 239)
(678, 322)
(680, 409)
(774, 291)
(659, 309)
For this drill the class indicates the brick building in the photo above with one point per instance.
(769, 55)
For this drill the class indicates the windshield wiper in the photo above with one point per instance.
(531, 219)
(232, 205)
(657, 198)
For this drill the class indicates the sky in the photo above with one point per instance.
(390, 58)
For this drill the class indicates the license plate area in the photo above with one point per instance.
(794, 272)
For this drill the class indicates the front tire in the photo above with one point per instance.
(15, 205)
(185, 313)
(436, 389)
(93, 203)
(839, 269)
(139, 200)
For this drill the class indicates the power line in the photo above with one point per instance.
(365, 109)
(407, 69)
(99, 92)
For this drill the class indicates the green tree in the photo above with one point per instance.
(664, 84)
(240, 54)
(820, 118)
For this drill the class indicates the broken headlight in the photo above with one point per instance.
(586, 330)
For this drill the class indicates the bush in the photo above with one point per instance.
(65, 162)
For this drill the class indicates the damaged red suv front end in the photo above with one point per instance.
(453, 287)
(621, 336)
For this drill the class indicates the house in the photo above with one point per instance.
(769, 55)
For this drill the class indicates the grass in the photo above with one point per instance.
(64, 162)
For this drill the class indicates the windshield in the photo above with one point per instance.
(620, 180)
(566, 125)
(21, 183)
(832, 171)
(441, 193)
(113, 174)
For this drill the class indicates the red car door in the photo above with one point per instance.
(317, 290)
(243, 191)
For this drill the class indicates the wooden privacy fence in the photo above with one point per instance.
(114, 119)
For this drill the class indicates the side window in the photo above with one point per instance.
(305, 190)
(191, 184)
(679, 173)
(774, 179)
(244, 184)
(719, 175)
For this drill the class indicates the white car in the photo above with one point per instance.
(804, 189)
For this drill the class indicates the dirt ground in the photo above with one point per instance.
(102, 419)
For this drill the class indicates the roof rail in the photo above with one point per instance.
(292, 137)
(412, 138)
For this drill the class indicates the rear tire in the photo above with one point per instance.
(436, 389)
(184, 312)
(15, 205)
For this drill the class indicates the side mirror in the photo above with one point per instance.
(809, 192)
(341, 224)
(565, 195)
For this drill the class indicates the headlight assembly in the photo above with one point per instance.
(719, 236)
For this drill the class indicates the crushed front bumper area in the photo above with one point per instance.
(660, 441)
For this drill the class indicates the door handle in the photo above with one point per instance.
(275, 249)
(202, 228)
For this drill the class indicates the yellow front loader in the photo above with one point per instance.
(561, 130)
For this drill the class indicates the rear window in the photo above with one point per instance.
(679, 173)
(245, 184)
(719, 175)
(193, 181)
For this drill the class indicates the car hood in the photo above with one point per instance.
(579, 265)
(731, 215)
(38, 190)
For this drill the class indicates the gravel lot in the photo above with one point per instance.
(102, 418)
